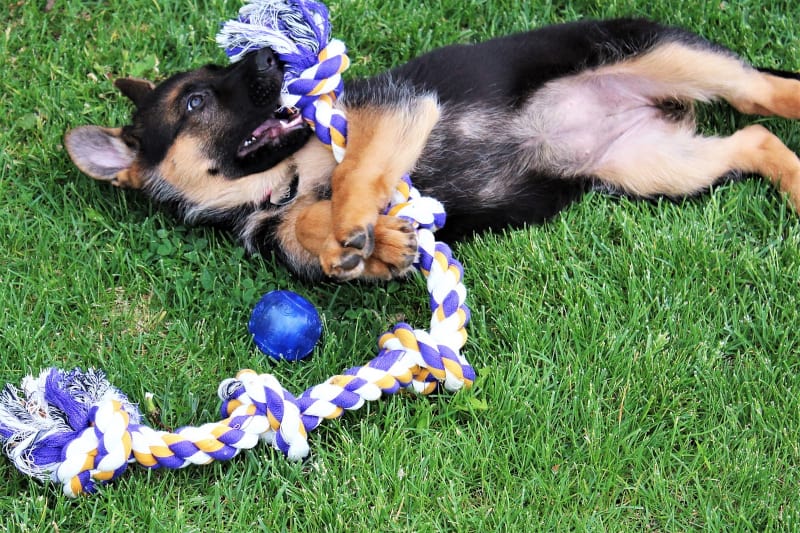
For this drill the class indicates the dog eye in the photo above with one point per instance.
(195, 102)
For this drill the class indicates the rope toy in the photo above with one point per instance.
(75, 428)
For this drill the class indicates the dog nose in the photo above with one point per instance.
(265, 60)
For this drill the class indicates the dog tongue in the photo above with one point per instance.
(271, 128)
(274, 127)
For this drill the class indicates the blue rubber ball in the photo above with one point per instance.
(285, 326)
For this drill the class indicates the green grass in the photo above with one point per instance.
(637, 361)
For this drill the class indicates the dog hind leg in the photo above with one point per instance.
(703, 73)
(676, 164)
(662, 157)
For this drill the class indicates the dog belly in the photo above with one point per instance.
(573, 125)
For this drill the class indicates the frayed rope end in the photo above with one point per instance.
(296, 30)
(49, 412)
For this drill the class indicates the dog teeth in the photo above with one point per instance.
(249, 141)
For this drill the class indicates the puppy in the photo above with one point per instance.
(504, 133)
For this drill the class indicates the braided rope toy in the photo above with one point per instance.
(76, 429)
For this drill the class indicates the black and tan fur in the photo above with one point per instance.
(504, 133)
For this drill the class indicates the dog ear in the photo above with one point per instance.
(102, 154)
(134, 88)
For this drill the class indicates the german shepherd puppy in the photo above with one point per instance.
(504, 133)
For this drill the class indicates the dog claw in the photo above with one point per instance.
(362, 239)
(349, 262)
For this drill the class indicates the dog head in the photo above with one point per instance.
(208, 142)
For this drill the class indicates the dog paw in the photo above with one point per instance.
(392, 244)
(395, 249)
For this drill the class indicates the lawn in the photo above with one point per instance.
(637, 361)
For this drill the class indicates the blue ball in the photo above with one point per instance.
(285, 326)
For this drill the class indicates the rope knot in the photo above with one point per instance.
(259, 404)
(99, 453)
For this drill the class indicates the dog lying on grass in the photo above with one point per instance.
(504, 133)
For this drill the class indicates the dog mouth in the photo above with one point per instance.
(272, 131)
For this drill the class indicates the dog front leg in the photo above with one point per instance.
(384, 142)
